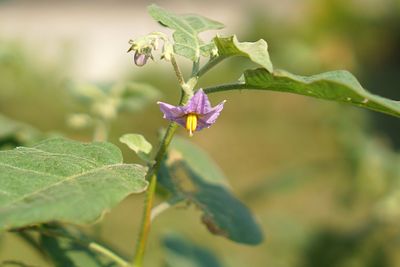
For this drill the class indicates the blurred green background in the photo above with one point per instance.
(322, 178)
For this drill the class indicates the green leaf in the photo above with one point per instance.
(339, 86)
(183, 253)
(224, 214)
(187, 27)
(139, 144)
(204, 185)
(63, 180)
(255, 51)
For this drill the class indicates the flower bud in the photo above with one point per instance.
(140, 58)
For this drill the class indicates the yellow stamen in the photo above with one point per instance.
(191, 123)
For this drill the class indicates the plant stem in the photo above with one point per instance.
(209, 65)
(226, 87)
(152, 175)
(146, 222)
(178, 72)
(195, 69)
(109, 254)
(159, 209)
(187, 91)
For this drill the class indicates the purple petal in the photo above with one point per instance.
(173, 113)
(208, 119)
(198, 104)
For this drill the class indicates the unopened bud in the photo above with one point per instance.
(140, 58)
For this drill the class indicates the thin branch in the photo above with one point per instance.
(146, 222)
(226, 87)
(160, 208)
(209, 65)
(178, 73)
(109, 254)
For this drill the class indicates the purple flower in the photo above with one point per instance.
(195, 115)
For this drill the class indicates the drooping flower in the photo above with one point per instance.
(195, 115)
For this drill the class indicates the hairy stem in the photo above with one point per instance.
(178, 72)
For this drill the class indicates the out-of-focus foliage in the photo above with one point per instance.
(107, 101)
(13, 133)
(183, 253)
(189, 174)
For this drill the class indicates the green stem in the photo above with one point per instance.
(187, 91)
(160, 208)
(195, 69)
(209, 65)
(226, 87)
(109, 254)
(163, 206)
(152, 175)
(146, 222)
(178, 72)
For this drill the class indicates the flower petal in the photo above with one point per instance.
(198, 104)
(208, 119)
(173, 113)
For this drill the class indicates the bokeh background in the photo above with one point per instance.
(322, 178)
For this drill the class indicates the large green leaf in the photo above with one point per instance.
(63, 180)
(255, 51)
(184, 253)
(187, 27)
(204, 185)
(340, 86)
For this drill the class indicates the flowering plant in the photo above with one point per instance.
(49, 187)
